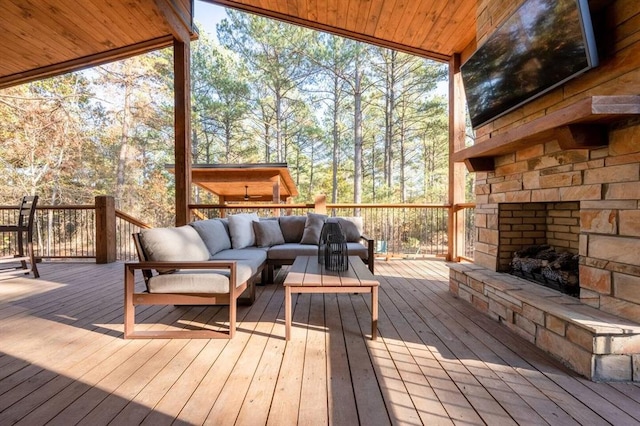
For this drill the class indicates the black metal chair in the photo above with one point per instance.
(24, 227)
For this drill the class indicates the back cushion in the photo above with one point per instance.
(352, 227)
(241, 230)
(312, 228)
(214, 234)
(292, 228)
(173, 244)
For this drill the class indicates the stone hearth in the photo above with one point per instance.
(584, 201)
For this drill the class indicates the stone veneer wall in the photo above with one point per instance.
(606, 182)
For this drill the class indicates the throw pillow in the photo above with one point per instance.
(351, 227)
(268, 233)
(241, 230)
(292, 228)
(214, 234)
(312, 228)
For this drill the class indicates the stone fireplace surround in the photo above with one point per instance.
(599, 335)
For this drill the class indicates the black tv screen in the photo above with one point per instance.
(542, 45)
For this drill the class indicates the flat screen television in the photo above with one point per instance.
(542, 45)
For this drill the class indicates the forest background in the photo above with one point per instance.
(357, 122)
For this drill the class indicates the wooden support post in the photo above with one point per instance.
(320, 204)
(105, 229)
(275, 182)
(182, 94)
(456, 170)
(221, 200)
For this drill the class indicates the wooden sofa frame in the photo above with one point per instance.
(133, 299)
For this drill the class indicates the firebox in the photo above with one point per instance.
(540, 242)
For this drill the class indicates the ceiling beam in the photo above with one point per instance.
(181, 25)
(86, 62)
(331, 29)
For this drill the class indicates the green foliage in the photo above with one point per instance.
(352, 120)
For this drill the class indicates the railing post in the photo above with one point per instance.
(320, 204)
(105, 229)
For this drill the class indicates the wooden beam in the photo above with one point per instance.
(581, 136)
(181, 25)
(86, 62)
(480, 164)
(182, 94)
(456, 170)
(579, 125)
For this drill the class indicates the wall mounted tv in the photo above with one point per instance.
(542, 45)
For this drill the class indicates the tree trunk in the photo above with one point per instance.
(124, 146)
(336, 145)
(357, 136)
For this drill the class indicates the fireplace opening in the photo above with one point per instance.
(544, 265)
(540, 242)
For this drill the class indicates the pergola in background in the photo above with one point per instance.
(266, 182)
(44, 38)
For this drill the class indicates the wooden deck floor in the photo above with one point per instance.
(437, 361)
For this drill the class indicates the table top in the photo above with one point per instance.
(307, 272)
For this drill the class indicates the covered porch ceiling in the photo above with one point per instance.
(40, 39)
(431, 28)
(43, 38)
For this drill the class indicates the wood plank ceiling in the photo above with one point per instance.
(43, 38)
(432, 28)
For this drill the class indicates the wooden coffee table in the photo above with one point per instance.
(306, 275)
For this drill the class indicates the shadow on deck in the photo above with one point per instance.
(436, 361)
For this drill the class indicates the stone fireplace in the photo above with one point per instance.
(585, 201)
(564, 170)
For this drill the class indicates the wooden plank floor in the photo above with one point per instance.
(437, 361)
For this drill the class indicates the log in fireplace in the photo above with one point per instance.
(544, 265)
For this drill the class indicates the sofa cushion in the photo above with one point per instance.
(352, 227)
(214, 234)
(312, 228)
(241, 230)
(173, 244)
(198, 280)
(357, 249)
(292, 228)
(253, 257)
(267, 233)
(289, 251)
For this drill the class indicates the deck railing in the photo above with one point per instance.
(69, 232)
(400, 230)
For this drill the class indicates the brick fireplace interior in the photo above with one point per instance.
(521, 225)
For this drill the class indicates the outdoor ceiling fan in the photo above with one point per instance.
(248, 197)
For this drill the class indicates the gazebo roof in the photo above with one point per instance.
(231, 182)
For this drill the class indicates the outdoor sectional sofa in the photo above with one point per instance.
(218, 261)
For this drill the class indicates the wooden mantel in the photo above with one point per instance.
(582, 125)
